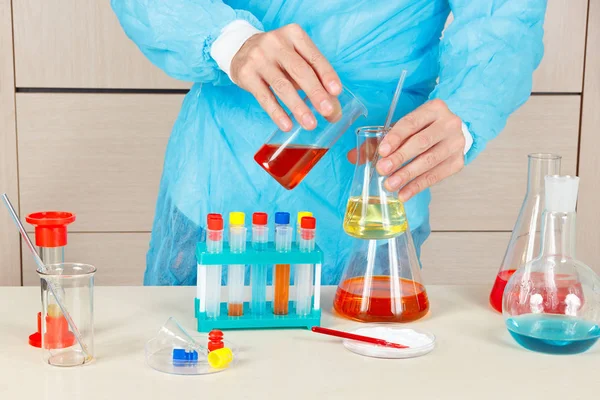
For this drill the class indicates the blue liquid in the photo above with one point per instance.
(553, 334)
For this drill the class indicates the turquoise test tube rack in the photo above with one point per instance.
(267, 320)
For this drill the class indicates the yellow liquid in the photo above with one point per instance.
(374, 220)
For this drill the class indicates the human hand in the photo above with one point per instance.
(286, 60)
(431, 138)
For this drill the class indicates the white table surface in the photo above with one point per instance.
(475, 357)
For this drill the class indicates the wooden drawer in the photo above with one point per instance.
(98, 155)
(488, 193)
(80, 44)
(101, 156)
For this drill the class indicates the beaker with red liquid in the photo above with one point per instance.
(524, 243)
(382, 282)
(289, 156)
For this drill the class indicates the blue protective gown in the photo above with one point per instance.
(484, 62)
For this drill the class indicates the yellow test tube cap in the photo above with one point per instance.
(220, 358)
(237, 218)
(303, 214)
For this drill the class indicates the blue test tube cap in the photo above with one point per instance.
(282, 218)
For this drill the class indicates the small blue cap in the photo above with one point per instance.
(282, 218)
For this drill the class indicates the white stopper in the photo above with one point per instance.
(561, 193)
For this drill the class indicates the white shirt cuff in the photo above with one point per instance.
(468, 138)
(232, 38)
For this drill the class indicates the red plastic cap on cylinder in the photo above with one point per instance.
(214, 222)
(50, 227)
(259, 218)
(308, 225)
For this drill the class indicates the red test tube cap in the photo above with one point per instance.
(259, 218)
(50, 227)
(215, 222)
(308, 223)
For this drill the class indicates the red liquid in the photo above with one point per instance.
(498, 289)
(553, 303)
(288, 165)
(379, 306)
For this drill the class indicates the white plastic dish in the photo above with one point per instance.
(420, 342)
(160, 357)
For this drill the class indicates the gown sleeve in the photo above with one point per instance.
(176, 35)
(488, 54)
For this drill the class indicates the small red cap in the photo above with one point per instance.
(215, 222)
(50, 227)
(259, 218)
(308, 223)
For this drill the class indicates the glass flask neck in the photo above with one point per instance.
(539, 166)
(558, 234)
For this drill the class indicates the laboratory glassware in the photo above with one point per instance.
(360, 338)
(281, 272)
(51, 239)
(211, 276)
(552, 304)
(524, 242)
(76, 285)
(258, 272)
(299, 217)
(303, 279)
(235, 272)
(372, 212)
(172, 337)
(289, 156)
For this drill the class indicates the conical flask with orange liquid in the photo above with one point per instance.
(524, 244)
(382, 281)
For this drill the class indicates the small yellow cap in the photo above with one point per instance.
(303, 214)
(220, 358)
(237, 218)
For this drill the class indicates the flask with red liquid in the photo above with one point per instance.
(524, 243)
(289, 156)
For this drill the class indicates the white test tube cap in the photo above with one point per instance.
(561, 193)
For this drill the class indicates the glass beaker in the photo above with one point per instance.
(552, 304)
(382, 282)
(289, 156)
(74, 283)
(524, 242)
(372, 212)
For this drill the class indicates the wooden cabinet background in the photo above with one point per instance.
(107, 146)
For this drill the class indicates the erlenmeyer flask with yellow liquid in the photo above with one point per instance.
(382, 281)
(372, 212)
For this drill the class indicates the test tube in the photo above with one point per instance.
(281, 273)
(301, 215)
(214, 244)
(258, 272)
(304, 272)
(235, 272)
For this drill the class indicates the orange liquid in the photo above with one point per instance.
(288, 165)
(281, 291)
(235, 310)
(380, 305)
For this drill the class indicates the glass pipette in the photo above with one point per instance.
(304, 272)
(281, 274)
(258, 272)
(235, 272)
(53, 290)
(214, 244)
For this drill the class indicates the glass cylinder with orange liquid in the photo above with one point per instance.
(524, 243)
(289, 156)
(382, 281)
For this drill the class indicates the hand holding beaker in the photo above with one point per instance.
(286, 60)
